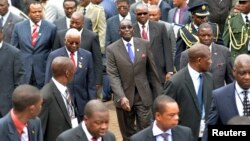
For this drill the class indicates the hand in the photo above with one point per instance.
(169, 75)
(125, 104)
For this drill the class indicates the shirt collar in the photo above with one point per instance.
(5, 17)
(157, 131)
(239, 89)
(88, 135)
(32, 24)
(1, 44)
(146, 25)
(18, 124)
(193, 73)
(131, 42)
(128, 17)
(62, 89)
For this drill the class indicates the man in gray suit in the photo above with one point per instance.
(133, 79)
(8, 20)
(11, 73)
(154, 15)
(221, 67)
(69, 7)
(160, 44)
(21, 123)
(166, 115)
(192, 88)
(93, 127)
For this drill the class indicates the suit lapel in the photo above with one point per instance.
(231, 97)
(137, 32)
(152, 31)
(13, 134)
(61, 104)
(31, 131)
(123, 51)
(41, 32)
(27, 31)
(191, 88)
(214, 57)
(80, 135)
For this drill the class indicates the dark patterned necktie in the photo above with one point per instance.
(200, 91)
(144, 33)
(246, 104)
(165, 136)
(247, 20)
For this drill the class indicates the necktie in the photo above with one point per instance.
(84, 11)
(144, 33)
(24, 136)
(94, 139)
(246, 104)
(177, 16)
(130, 52)
(165, 136)
(72, 57)
(200, 91)
(1, 22)
(247, 20)
(34, 35)
(69, 105)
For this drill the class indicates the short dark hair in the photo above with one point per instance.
(160, 103)
(118, 1)
(31, 2)
(24, 96)
(72, 1)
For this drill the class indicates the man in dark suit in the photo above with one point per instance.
(82, 87)
(192, 88)
(11, 74)
(93, 127)
(221, 67)
(164, 7)
(69, 7)
(58, 112)
(8, 20)
(34, 38)
(166, 115)
(21, 123)
(89, 41)
(160, 44)
(228, 101)
(133, 79)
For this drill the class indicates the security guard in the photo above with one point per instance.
(237, 30)
(187, 35)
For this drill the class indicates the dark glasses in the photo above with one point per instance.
(126, 27)
(140, 14)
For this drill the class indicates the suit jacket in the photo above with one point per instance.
(221, 67)
(89, 41)
(185, 16)
(181, 88)
(77, 134)
(9, 25)
(179, 133)
(141, 74)
(11, 74)
(8, 131)
(164, 7)
(34, 57)
(54, 115)
(97, 15)
(112, 31)
(222, 110)
(82, 87)
(160, 46)
(61, 23)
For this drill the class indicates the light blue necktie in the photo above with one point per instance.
(200, 91)
(130, 52)
(1, 22)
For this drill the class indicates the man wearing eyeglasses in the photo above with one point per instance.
(160, 43)
(187, 35)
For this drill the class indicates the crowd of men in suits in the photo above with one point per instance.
(193, 51)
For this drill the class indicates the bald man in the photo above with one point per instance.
(22, 122)
(233, 95)
(58, 113)
(93, 127)
(192, 88)
(83, 86)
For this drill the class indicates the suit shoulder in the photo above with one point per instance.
(11, 48)
(49, 24)
(222, 48)
(85, 52)
(98, 7)
(141, 135)
(113, 19)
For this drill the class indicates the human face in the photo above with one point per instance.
(126, 30)
(169, 118)
(154, 14)
(35, 12)
(73, 42)
(179, 3)
(244, 6)
(153, 2)
(142, 15)
(241, 74)
(76, 22)
(205, 61)
(123, 8)
(84, 3)
(97, 124)
(69, 8)
(205, 36)
(4, 7)
(198, 20)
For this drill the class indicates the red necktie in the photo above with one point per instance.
(94, 139)
(144, 33)
(34, 35)
(72, 58)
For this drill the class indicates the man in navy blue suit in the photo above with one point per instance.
(34, 38)
(82, 87)
(228, 101)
